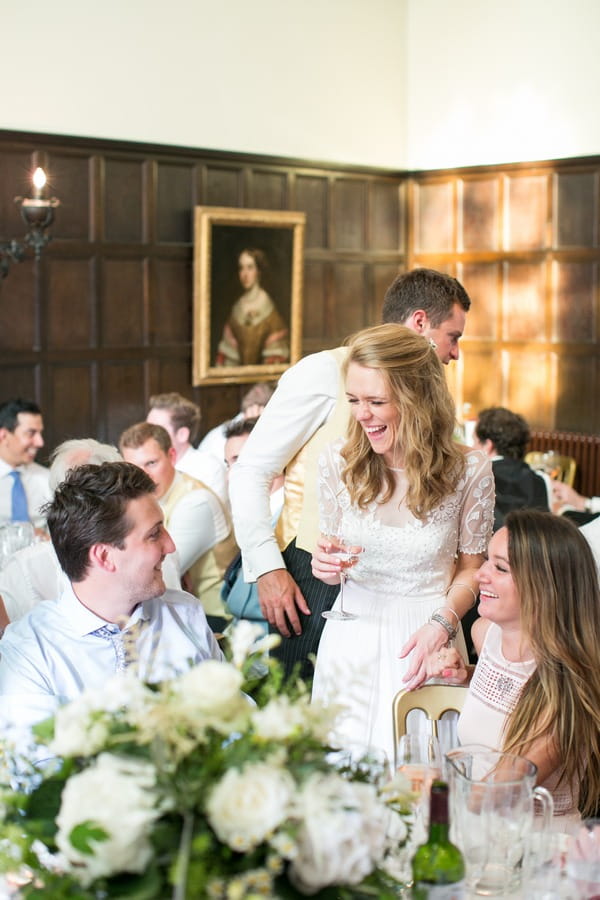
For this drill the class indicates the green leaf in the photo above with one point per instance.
(85, 832)
(148, 886)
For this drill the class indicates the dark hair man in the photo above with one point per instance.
(23, 483)
(308, 410)
(107, 530)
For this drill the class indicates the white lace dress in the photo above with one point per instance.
(400, 579)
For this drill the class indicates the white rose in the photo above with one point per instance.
(118, 795)
(280, 719)
(342, 832)
(247, 805)
(81, 726)
(210, 695)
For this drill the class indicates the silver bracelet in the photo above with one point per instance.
(467, 586)
(446, 625)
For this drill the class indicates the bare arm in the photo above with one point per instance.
(432, 636)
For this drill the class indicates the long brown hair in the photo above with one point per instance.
(555, 575)
(417, 387)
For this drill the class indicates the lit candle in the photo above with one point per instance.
(39, 180)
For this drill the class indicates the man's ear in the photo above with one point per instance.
(418, 321)
(172, 454)
(182, 435)
(101, 557)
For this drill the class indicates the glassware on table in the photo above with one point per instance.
(583, 859)
(13, 537)
(492, 798)
(419, 758)
(348, 555)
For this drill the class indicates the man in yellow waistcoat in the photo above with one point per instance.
(194, 516)
(308, 410)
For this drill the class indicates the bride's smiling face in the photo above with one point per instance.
(372, 407)
(248, 271)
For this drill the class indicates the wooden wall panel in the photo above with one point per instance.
(69, 322)
(349, 204)
(311, 198)
(71, 399)
(122, 302)
(174, 202)
(527, 250)
(123, 200)
(110, 303)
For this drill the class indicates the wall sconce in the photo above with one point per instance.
(38, 215)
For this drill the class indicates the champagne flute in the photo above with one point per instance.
(348, 557)
(419, 758)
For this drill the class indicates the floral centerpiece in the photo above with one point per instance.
(219, 783)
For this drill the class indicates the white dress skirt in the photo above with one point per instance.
(401, 577)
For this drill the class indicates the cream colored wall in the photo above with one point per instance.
(493, 81)
(317, 79)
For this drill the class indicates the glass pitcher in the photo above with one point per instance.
(492, 797)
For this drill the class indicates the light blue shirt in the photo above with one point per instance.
(51, 655)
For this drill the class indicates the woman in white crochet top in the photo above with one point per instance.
(536, 688)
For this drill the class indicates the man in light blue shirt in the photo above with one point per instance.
(108, 533)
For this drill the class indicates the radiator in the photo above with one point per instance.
(585, 450)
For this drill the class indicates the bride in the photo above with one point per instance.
(421, 508)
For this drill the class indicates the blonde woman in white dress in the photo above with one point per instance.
(420, 505)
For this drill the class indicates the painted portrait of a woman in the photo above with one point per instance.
(255, 332)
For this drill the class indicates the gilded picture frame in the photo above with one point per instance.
(248, 270)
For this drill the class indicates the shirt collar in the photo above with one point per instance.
(83, 621)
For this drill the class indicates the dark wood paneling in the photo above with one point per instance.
(122, 302)
(311, 198)
(123, 199)
(106, 318)
(574, 315)
(523, 314)
(349, 203)
(572, 404)
(480, 217)
(576, 222)
(174, 202)
(483, 281)
(526, 212)
(70, 289)
(434, 223)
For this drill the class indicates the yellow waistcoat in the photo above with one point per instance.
(300, 515)
(206, 574)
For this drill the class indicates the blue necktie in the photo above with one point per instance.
(19, 510)
(112, 633)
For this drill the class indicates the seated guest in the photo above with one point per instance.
(241, 597)
(33, 574)
(181, 419)
(503, 435)
(195, 517)
(252, 405)
(108, 533)
(566, 498)
(536, 688)
(23, 483)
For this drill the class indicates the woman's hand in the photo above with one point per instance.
(448, 664)
(326, 566)
(428, 640)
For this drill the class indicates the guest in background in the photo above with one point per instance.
(241, 597)
(108, 533)
(503, 436)
(252, 405)
(566, 498)
(181, 419)
(194, 516)
(23, 483)
(255, 332)
(309, 409)
(536, 688)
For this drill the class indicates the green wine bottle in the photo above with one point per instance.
(438, 867)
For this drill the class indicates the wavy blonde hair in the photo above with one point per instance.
(417, 387)
(555, 575)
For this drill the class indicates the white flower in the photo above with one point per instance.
(342, 832)
(210, 695)
(82, 726)
(118, 795)
(280, 718)
(247, 638)
(247, 805)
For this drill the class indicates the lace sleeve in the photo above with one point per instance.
(328, 489)
(477, 513)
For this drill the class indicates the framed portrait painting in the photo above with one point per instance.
(247, 293)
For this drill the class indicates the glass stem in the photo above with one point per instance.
(342, 583)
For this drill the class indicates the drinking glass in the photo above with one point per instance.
(348, 557)
(583, 858)
(419, 758)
